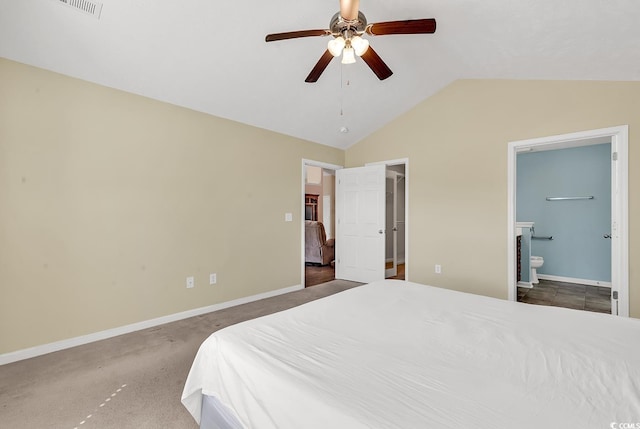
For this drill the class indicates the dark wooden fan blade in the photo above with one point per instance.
(322, 64)
(411, 26)
(296, 34)
(376, 64)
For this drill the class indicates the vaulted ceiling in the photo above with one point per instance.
(211, 55)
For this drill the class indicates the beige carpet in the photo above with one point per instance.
(130, 381)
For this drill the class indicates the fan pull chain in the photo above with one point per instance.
(341, 91)
(344, 82)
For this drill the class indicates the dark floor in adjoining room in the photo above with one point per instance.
(316, 274)
(568, 295)
(399, 274)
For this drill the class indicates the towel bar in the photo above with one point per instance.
(590, 197)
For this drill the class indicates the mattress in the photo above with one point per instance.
(394, 354)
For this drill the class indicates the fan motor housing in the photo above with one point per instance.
(338, 25)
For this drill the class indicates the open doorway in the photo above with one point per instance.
(563, 214)
(395, 222)
(363, 257)
(615, 234)
(318, 225)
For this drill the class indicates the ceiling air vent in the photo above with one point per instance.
(89, 7)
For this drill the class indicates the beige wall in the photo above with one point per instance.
(456, 142)
(108, 201)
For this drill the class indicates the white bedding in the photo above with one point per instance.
(395, 354)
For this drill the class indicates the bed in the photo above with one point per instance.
(394, 354)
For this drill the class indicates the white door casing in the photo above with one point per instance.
(392, 224)
(360, 223)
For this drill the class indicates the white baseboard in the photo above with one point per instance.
(527, 285)
(573, 280)
(109, 333)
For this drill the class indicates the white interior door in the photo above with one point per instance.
(360, 223)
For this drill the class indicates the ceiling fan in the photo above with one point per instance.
(347, 28)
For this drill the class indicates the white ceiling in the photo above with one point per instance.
(210, 55)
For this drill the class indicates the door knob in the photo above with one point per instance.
(607, 236)
(380, 232)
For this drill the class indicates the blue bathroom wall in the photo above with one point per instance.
(578, 249)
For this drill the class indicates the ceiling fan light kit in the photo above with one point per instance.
(359, 45)
(348, 56)
(347, 27)
(336, 46)
(355, 45)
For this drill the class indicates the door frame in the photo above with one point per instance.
(305, 163)
(619, 204)
(393, 271)
(404, 161)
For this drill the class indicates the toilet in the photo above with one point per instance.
(536, 262)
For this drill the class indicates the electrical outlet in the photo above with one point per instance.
(213, 278)
(438, 269)
(191, 282)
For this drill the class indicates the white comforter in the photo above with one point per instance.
(397, 354)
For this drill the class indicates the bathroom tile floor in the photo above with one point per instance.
(569, 295)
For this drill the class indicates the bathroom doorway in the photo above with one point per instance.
(614, 235)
